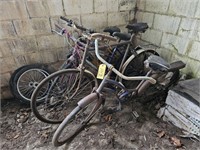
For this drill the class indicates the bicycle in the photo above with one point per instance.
(87, 107)
(70, 93)
(26, 78)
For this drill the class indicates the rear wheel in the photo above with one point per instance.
(136, 68)
(161, 88)
(75, 122)
(62, 91)
(25, 79)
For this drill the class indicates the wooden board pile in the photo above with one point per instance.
(183, 106)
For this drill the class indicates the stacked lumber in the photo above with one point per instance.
(183, 106)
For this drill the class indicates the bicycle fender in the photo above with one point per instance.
(140, 51)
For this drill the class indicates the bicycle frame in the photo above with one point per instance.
(84, 102)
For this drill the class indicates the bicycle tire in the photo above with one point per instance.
(158, 89)
(11, 80)
(135, 67)
(61, 95)
(24, 80)
(81, 116)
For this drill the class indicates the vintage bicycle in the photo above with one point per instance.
(65, 87)
(87, 107)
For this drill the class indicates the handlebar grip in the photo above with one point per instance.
(80, 27)
(65, 19)
(103, 36)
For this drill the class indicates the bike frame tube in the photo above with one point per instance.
(153, 81)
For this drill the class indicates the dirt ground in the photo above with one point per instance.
(20, 130)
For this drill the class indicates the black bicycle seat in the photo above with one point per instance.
(111, 29)
(122, 36)
(157, 64)
(138, 27)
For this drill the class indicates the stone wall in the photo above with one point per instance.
(175, 28)
(25, 29)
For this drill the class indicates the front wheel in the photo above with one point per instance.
(62, 91)
(75, 122)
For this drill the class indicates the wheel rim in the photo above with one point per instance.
(58, 100)
(28, 82)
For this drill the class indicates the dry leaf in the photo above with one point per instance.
(161, 134)
(108, 118)
(176, 141)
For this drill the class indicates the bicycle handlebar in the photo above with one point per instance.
(71, 23)
(153, 81)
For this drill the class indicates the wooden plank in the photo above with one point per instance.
(180, 120)
(182, 104)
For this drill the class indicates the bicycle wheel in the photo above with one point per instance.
(161, 88)
(75, 122)
(25, 79)
(62, 91)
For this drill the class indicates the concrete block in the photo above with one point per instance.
(141, 4)
(50, 42)
(165, 53)
(152, 36)
(7, 64)
(125, 5)
(12, 9)
(49, 56)
(95, 21)
(118, 18)
(100, 6)
(183, 7)
(37, 8)
(186, 27)
(146, 17)
(194, 52)
(1, 54)
(23, 45)
(87, 7)
(72, 7)
(195, 30)
(32, 58)
(20, 60)
(165, 23)
(34, 26)
(62, 53)
(175, 43)
(5, 77)
(55, 7)
(190, 28)
(157, 6)
(12, 47)
(192, 66)
(7, 30)
(197, 73)
(5, 48)
(6, 93)
(112, 6)
(197, 13)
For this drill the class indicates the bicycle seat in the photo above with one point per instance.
(111, 29)
(138, 27)
(122, 36)
(157, 64)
